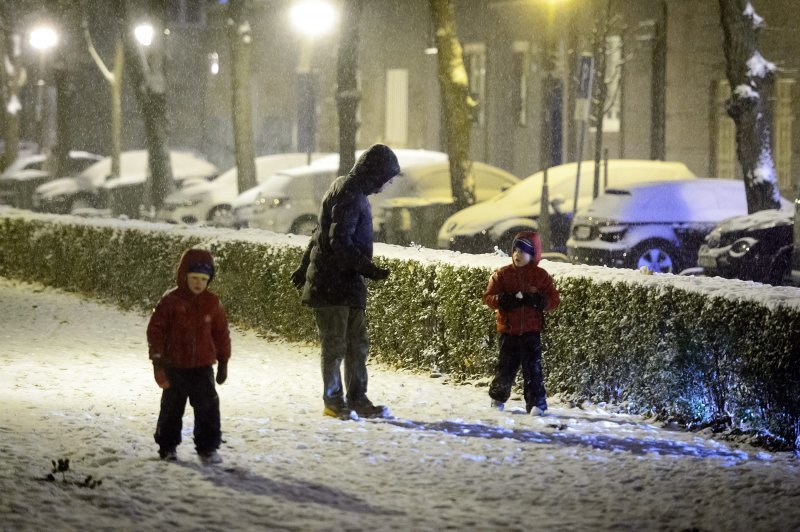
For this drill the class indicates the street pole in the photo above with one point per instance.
(545, 232)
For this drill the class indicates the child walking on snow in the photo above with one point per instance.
(520, 293)
(186, 335)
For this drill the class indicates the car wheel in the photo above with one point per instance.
(221, 215)
(304, 226)
(780, 268)
(657, 255)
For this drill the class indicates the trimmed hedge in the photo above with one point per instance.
(695, 350)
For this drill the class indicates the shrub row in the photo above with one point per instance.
(696, 350)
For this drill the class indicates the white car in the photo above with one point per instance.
(18, 181)
(89, 189)
(660, 225)
(289, 201)
(493, 223)
(212, 201)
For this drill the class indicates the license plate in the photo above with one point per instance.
(583, 232)
(707, 262)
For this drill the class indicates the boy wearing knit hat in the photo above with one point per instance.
(520, 293)
(187, 334)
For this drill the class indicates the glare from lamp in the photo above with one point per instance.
(313, 17)
(144, 34)
(43, 38)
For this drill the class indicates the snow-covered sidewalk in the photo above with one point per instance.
(75, 383)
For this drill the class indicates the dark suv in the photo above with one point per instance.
(754, 247)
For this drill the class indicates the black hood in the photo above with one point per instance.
(376, 166)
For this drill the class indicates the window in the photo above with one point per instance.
(520, 72)
(186, 13)
(397, 107)
(724, 163)
(475, 64)
(611, 120)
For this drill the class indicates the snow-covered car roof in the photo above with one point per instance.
(691, 200)
(135, 167)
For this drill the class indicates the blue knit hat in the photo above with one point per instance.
(202, 267)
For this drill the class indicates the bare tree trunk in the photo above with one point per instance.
(751, 78)
(114, 80)
(458, 104)
(147, 73)
(241, 42)
(12, 77)
(348, 95)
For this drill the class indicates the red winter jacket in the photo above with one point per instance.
(510, 280)
(188, 330)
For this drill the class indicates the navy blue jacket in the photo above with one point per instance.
(340, 252)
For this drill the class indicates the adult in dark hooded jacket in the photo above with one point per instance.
(332, 277)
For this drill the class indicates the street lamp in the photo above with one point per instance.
(144, 34)
(545, 228)
(42, 38)
(312, 19)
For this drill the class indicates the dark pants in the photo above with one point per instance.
(197, 385)
(524, 350)
(343, 336)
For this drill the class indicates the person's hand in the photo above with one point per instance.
(376, 273)
(298, 278)
(508, 301)
(536, 300)
(160, 374)
(222, 372)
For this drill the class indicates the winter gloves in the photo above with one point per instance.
(222, 372)
(508, 301)
(160, 375)
(376, 273)
(535, 300)
(299, 277)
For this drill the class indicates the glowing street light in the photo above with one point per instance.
(43, 38)
(313, 17)
(144, 34)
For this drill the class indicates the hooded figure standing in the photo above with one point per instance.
(187, 334)
(332, 277)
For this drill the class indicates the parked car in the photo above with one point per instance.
(289, 201)
(90, 189)
(755, 247)
(482, 227)
(658, 225)
(212, 201)
(19, 181)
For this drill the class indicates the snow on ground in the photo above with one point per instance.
(75, 383)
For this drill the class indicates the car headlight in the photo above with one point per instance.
(612, 233)
(271, 202)
(742, 246)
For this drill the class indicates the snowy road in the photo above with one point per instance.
(75, 382)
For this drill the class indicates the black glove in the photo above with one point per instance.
(299, 278)
(222, 372)
(376, 273)
(536, 300)
(508, 301)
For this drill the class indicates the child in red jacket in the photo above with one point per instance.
(520, 293)
(187, 334)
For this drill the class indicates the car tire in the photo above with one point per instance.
(221, 216)
(659, 256)
(304, 226)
